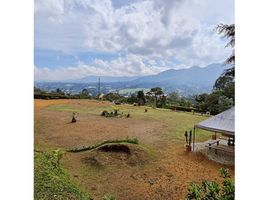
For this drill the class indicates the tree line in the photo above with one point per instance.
(154, 98)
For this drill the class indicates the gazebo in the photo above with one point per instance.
(222, 123)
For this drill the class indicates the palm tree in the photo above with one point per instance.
(225, 82)
(228, 31)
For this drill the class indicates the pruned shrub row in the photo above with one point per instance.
(55, 96)
(182, 108)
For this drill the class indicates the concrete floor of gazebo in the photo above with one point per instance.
(226, 158)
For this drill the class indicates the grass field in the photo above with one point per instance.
(158, 167)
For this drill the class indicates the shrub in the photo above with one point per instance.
(115, 113)
(212, 190)
(115, 110)
(182, 108)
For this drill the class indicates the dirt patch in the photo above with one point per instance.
(41, 103)
(138, 176)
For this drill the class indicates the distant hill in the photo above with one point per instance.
(205, 76)
(188, 81)
(194, 75)
(106, 79)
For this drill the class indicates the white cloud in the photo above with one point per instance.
(123, 66)
(177, 30)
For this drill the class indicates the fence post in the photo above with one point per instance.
(190, 138)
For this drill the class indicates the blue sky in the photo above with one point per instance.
(78, 38)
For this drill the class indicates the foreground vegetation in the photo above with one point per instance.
(51, 181)
(213, 190)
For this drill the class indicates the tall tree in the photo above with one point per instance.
(173, 98)
(225, 83)
(156, 93)
(85, 92)
(141, 97)
(59, 91)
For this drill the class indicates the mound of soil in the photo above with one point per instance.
(115, 154)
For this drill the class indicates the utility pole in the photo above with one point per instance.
(99, 87)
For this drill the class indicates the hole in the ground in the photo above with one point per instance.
(115, 148)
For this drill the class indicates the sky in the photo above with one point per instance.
(78, 38)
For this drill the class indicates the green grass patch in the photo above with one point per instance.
(51, 181)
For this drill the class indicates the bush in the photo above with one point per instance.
(51, 96)
(212, 190)
(113, 97)
(58, 94)
(114, 113)
(182, 108)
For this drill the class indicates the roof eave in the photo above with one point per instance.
(215, 130)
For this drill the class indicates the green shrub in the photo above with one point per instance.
(182, 108)
(115, 110)
(212, 190)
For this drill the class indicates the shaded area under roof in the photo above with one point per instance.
(221, 123)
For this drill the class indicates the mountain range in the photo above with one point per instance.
(105, 79)
(201, 76)
(205, 76)
(186, 81)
